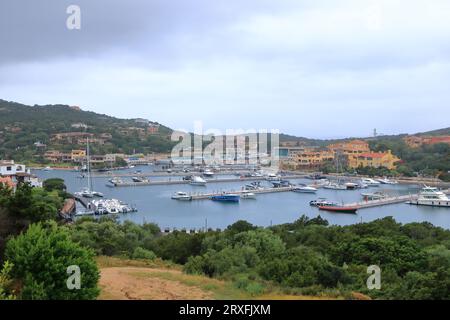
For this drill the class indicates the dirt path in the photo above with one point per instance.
(133, 283)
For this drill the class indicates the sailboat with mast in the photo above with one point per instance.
(88, 191)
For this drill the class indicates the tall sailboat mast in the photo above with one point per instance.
(88, 164)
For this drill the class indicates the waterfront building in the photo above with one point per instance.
(375, 160)
(78, 155)
(313, 158)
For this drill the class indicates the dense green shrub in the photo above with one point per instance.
(41, 257)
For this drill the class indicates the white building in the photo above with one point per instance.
(18, 173)
(9, 168)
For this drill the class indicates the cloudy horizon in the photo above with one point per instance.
(318, 69)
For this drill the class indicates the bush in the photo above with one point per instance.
(41, 257)
(141, 253)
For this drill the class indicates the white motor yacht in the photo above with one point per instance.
(335, 186)
(370, 182)
(430, 196)
(305, 189)
(248, 195)
(208, 173)
(387, 181)
(198, 181)
(182, 196)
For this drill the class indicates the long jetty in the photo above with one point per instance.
(171, 182)
(386, 201)
(166, 174)
(205, 196)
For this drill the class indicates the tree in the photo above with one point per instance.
(54, 184)
(41, 257)
(5, 282)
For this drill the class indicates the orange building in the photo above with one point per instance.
(418, 141)
(7, 182)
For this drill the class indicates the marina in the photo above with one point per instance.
(268, 205)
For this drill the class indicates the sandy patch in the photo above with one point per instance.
(133, 283)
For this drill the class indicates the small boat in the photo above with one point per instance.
(430, 196)
(48, 169)
(335, 186)
(86, 193)
(305, 189)
(187, 178)
(370, 182)
(198, 181)
(253, 186)
(374, 196)
(272, 177)
(248, 195)
(338, 208)
(97, 194)
(182, 196)
(110, 206)
(115, 181)
(321, 202)
(387, 181)
(226, 197)
(351, 185)
(139, 179)
(208, 173)
(281, 184)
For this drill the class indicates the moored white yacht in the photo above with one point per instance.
(370, 182)
(430, 196)
(182, 196)
(304, 189)
(335, 186)
(387, 181)
(272, 177)
(248, 195)
(198, 181)
(208, 173)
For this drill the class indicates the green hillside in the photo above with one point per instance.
(21, 126)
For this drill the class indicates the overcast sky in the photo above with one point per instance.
(314, 68)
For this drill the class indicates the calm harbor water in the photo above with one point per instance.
(155, 205)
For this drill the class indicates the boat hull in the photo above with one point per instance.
(339, 209)
(441, 204)
(226, 198)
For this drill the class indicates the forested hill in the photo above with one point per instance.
(22, 126)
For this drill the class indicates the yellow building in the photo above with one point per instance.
(350, 149)
(375, 160)
(78, 155)
(313, 158)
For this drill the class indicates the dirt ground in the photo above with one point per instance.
(134, 283)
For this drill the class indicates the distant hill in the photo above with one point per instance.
(21, 126)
